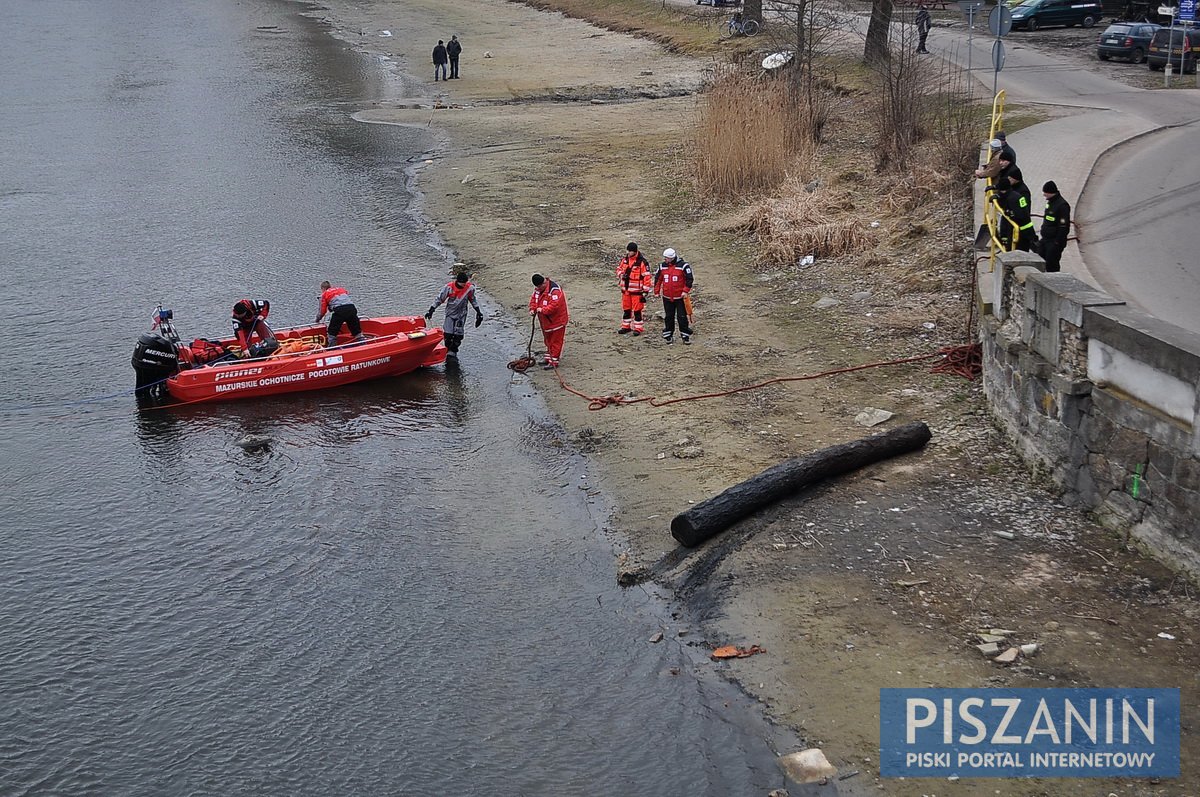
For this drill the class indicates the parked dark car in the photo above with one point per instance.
(1180, 43)
(1126, 40)
(1034, 14)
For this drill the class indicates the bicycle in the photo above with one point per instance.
(743, 27)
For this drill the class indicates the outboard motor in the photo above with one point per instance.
(156, 356)
(154, 359)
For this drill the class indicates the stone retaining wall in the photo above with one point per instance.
(1103, 397)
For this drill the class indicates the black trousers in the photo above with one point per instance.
(672, 309)
(454, 66)
(344, 314)
(1051, 252)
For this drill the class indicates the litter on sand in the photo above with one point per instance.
(734, 652)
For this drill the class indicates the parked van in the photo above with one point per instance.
(1034, 14)
(1181, 45)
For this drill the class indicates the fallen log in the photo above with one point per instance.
(713, 515)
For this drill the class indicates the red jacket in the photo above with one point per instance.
(673, 280)
(550, 304)
(326, 296)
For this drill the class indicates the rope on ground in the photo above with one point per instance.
(964, 361)
(523, 364)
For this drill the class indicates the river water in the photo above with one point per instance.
(410, 591)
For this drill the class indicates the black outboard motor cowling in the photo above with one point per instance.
(154, 359)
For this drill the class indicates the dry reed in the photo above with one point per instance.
(747, 138)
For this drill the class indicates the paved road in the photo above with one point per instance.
(1125, 156)
(1149, 250)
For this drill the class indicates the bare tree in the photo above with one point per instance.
(753, 9)
(876, 49)
(905, 82)
(810, 23)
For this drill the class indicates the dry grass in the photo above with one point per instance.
(695, 31)
(748, 137)
(801, 222)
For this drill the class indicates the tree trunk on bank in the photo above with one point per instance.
(752, 9)
(713, 515)
(876, 50)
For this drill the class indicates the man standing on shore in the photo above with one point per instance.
(634, 280)
(673, 281)
(549, 304)
(439, 61)
(453, 50)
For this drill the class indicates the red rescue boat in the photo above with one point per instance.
(393, 345)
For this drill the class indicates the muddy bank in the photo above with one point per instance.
(562, 142)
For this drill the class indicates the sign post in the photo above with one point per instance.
(999, 23)
(970, 9)
(1169, 11)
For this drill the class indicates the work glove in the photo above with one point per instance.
(429, 314)
(478, 319)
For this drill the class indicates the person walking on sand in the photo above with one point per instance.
(635, 281)
(453, 50)
(924, 23)
(439, 61)
(337, 302)
(673, 281)
(457, 295)
(549, 304)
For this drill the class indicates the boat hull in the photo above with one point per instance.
(395, 345)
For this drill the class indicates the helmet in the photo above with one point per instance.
(668, 254)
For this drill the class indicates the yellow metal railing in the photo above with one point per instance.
(992, 212)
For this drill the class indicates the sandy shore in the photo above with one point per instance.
(562, 143)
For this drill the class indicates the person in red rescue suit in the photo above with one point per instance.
(250, 321)
(457, 295)
(337, 302)
(673, 281)
(634, 280)
(549, 304)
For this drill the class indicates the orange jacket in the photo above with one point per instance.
(633, 274)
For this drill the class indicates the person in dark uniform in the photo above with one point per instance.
(249, 322)
(1056, 226)
(1018, 206)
